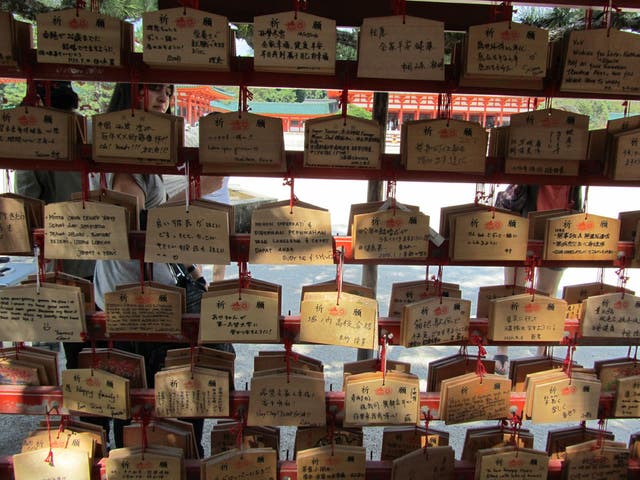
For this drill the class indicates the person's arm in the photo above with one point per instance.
(208, 184)
(123, 182)
(27, 184)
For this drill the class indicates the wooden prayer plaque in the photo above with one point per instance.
(470, 397)
(628, 225)
(625, 155)
(341, 461)
(612, 315)
(421, 56)
(14, 36)
(565, 399)
(15, 235)
(186, 38)
(237, 141)
(311, 437)
(493, 437)
(113, 197)
(41, 438)
(400, 441)
(390, 235)
(254, 463)
(38, 133)
(379, 399)
(279, 399)
(294, 42)
(351, 321)
(124, 364)
(404, 293)
(486, 294)
(52, 313)
(192, 392)
(300, 235)
(507, 49)
(193, 235)
(611, 370)
(67, 464)
(435, 321)
(342, 142)
(527, 318)
(240, 316)
(444, 145)
(604, 60)
(438, 461)
(90, 390)
(510, 462)
(582, 237)
(486, 235)
(83, 37)
(548, 134)
(574, 295)
(592, 459)
(627, 403)
(150, 463)
(143, 310)
(85, 231)
(138, 137)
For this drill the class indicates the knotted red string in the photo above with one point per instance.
(80, 5)
(195, 4)
(383, 343)
(567, 364)
(602, 428)
(289, 355)
(31, 96)
(391, 194)
(344, 101)
(481, 371)
(530, 264)
(399, 7)
(339, 272)
(623, 278)
(516, 424)
(49, 458)
(292, 196)
(427, 419)
(244, 277)
(238, 430)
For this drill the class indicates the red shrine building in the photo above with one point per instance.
(489, 111)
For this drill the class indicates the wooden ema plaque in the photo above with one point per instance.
(499, 436)
(591, 459)
(186, 38)
(254, 463)
(15, 235)
(486, 235)
(342, 142)
(94, 391)
(68, 464)
(492, 292)
(347, 320)
(37, 133)
(85, 231)
(404, 293)
(82, 37)
(552, 396)
(189, 235)
(281, 399)
(548, 134)
(137, 137)
(444, 145)
(169, 432)
(508, 50)
(604, 60)
(153, 462)
(294, 42)
(191, 392)
(237, 141)
(51, 313)
(401, 440)
(625, 155)
(391, 234)
(435, 321)
(378, 399)
(582, 237)
(511, 462)
(14, 36)
(240, 316)
(574, 295)
(610, 371)
(612, 315)
(627, 398)
(339, 461)
(311, 437)
(79, 441)
(143, 310)
(438, 461)
(527, 318)
(119, 362)
(469, 397)
(300, 235)
(402, 47)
